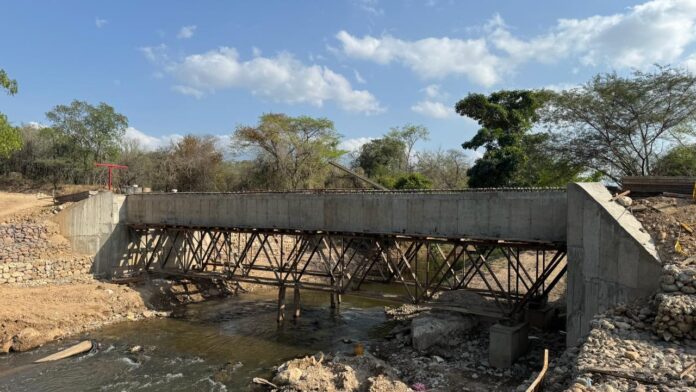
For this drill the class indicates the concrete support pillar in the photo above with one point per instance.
(296, 302)
(507, 343)
(281, 304)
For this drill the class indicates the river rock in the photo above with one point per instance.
(27, 339)
(443, 329)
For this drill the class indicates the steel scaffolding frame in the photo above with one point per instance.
(343, 262)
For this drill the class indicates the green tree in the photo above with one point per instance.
(505, 117)
(382, 158)
(10, 139)
(409, 134)
(412, 181)
(94, 132)
(619, 125)
(8, 84)
(291, 152)
(679, 161)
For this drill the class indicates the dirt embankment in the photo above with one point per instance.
(63, 299)
(32, 316)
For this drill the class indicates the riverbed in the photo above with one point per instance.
(217, 345)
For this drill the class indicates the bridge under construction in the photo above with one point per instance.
(511, 246)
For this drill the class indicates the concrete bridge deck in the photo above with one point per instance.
(533, 215)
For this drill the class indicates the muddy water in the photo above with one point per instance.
(186, 352)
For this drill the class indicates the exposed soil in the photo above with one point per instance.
(32, 316)
(13, 203)
(33, 313)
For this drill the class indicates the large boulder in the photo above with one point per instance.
(439, 329)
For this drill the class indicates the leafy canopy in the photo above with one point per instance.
(10, 139)
(620, 125)
(679, 161)
(10, 85)
(291, 152)
(505, 118)
(94, 133)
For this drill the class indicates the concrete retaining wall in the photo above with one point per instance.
(96, 226)
(611, 259)
(528, 216)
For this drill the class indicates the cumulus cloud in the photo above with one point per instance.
(657, 31)
(354, 144)
(186, 32)
(148, 142)
(35, 125)
(100, 22)
(433, 109)
(430, 58)
(282, 78)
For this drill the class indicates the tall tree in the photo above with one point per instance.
(95, 132)
(409, 134)
(620, 125)
(505, 118)
(382, 159)
(291, 152)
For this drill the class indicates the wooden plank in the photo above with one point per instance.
(539, 380)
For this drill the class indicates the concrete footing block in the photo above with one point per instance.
(540, 317)
(507, 343)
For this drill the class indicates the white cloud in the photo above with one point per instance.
(281, 78)
(433, 91)
(36, 125)
(558, 87)
(433, 109)
(657, 31)
(100, 22)
(155, 54)
(150, 143)
(186, 32)
(690, 63)
(430, 58)
(354, 144)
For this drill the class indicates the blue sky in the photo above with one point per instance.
(204, 67)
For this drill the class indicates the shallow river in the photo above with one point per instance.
(185, 352)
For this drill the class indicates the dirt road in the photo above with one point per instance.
(12, 203)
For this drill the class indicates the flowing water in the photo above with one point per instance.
(188, 351)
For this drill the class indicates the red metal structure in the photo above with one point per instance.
(111, 166)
